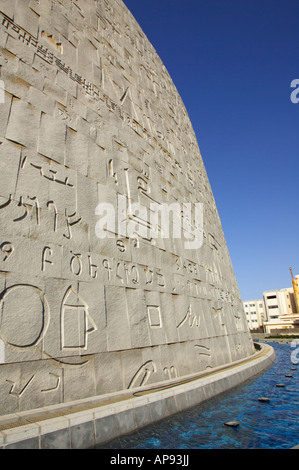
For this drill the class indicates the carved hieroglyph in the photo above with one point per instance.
(89, 116)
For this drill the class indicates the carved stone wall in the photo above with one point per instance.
(90, 115)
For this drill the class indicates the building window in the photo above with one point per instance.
(271, 296)
(273, 306)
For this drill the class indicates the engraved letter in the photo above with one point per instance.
(44, 257)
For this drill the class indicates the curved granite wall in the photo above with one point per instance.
(96, 151)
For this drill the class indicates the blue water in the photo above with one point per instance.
(263, 425)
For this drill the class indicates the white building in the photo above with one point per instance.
(280, 310)
(255, 314)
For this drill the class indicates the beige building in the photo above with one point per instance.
(280, 309)
(277, 310)
(255, 314)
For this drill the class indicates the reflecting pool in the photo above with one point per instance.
(272, 424)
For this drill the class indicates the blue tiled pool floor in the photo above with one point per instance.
(262, 425)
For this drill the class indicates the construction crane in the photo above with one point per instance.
(296, 290)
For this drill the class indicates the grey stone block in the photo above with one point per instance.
(106, 429)
(82, 435)
(125, 422)
(52, 138)
(191, 397)
(28, 444)
(181, 401)
(56, 440)
(158, 410)
(23, 124)
(199, 394)
(143, 416)
(170, 406)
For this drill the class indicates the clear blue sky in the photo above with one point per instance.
(233, 62)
